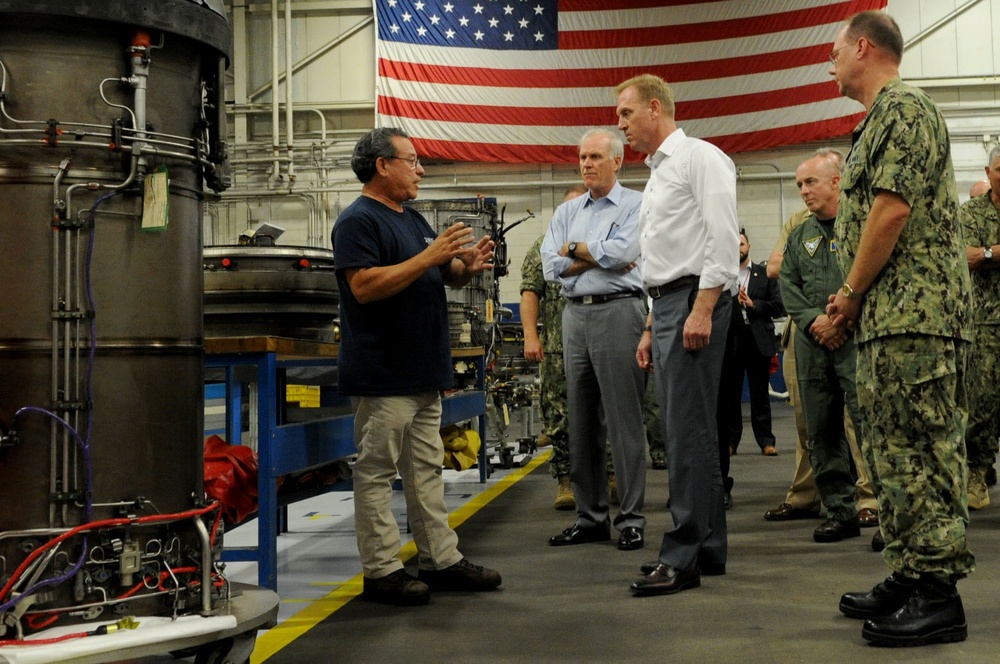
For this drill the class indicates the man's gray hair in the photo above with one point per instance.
(994, 154)
(376, 143)
(617, 147)
(834, 156)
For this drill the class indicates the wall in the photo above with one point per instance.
(949, 52)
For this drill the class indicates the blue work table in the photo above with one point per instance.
(284, 448)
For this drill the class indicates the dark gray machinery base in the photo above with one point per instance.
(254, 608)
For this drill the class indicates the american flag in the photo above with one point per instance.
(519, 81)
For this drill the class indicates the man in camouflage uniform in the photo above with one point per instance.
(981, 222)
(907, 290)
(542, 303)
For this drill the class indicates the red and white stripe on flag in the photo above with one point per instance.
(519, 81)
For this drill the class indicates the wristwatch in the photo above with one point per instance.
(988, 254)
(849, 292)
(572, 249)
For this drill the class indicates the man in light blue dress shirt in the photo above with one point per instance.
(592, 250)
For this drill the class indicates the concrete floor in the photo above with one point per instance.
(778, 602)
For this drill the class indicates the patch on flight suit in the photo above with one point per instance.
(812, 244)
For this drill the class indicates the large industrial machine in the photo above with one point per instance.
(111, 127)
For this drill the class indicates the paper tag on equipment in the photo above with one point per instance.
(155, 199)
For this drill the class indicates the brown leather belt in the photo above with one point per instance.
(601, 299)
(688, 281)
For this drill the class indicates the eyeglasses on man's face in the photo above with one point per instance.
(412, 162)
(835, 53)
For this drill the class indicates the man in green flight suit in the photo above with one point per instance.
(907, 291)
(825, 355)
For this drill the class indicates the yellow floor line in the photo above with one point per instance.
(292, 628)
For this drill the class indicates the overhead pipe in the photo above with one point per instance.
(289, 124)
(276, 164)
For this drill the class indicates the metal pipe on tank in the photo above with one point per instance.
(206, 565)
(140, 74)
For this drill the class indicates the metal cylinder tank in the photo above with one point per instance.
(111, 123)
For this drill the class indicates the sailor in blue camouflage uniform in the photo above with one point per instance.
(907, 291)
(981, 222)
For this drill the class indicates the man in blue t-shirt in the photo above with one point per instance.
(395, 359)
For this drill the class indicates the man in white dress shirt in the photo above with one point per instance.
(689, 238)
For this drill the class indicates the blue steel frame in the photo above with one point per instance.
(288, 448)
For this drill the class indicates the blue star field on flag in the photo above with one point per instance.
(528, 25)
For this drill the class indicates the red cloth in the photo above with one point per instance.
(231, 478)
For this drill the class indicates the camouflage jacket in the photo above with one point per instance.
(981, 223)
(551, 302)
(902, 146)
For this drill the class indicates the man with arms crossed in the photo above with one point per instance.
(591, 248)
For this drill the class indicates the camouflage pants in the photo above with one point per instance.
(911, 389)
(984, 397)
(655, 436)
(552, 403)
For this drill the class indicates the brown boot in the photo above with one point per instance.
(564, 495)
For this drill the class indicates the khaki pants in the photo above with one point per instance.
(802, 491)
(400, 434)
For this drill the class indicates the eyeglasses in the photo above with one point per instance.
(412, 162)
(835, 54)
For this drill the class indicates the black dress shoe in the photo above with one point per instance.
(630, 539)
(577, 535)
(933, 613)
(832, 530)
(665, 580)
(706, 568)
(727, 501)
(882, 600)
(785, 512)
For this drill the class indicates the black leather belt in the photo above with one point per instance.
(656, 292)
(601, 299)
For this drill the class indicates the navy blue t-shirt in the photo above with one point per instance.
(399, 345)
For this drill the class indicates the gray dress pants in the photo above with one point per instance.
(604, 397)
(687, 385)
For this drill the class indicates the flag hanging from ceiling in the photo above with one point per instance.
(519, 81)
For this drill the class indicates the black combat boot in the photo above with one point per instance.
(933, 613)
(882, 600)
